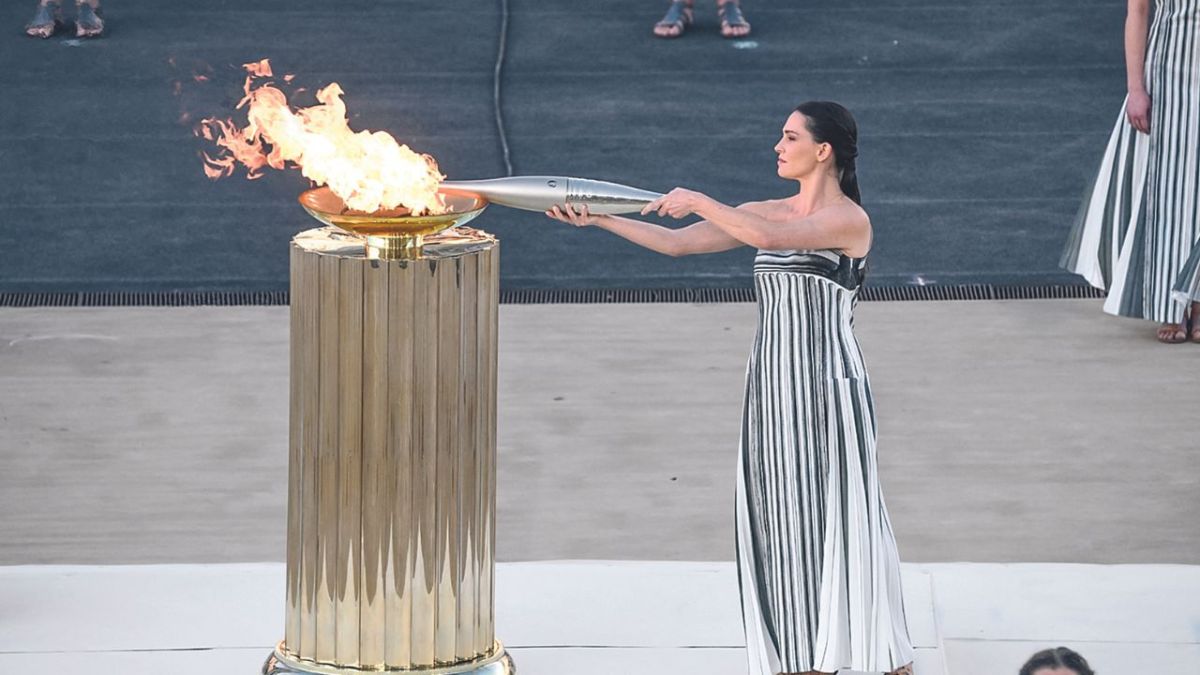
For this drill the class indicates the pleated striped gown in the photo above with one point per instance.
(1137, 234)
(818, 568)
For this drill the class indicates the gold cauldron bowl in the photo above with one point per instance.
(393, 234)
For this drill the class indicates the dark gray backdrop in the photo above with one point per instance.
(981, 122)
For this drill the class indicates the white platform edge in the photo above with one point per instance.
(623, 609)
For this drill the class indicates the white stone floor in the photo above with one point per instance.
(593, 617)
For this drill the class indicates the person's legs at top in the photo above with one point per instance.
(87, 19)
(676, 20)
(47, 19)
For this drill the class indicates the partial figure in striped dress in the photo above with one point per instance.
(1137, 234)
(818, 568)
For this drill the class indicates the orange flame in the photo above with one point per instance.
(368, 170)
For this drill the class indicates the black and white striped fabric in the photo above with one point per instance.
(1140, 220)
(1187, 287)
(818, 568)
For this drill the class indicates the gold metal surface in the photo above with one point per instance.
(398, 584)
(391, 492)
(446, 486)
(295, 457)
(350, 461)
(307, 370)
(376, 468)
(424, 453)
(489, 306)
(467, 455)
(326, 458)
(394, 234)
(495, 662)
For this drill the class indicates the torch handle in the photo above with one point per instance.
(539, 193)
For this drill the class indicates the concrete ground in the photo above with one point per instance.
(1032, 431)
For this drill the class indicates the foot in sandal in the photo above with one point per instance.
(676, 20)
(88, 23)
(733, 22)
(46, 20)
(1172, 333)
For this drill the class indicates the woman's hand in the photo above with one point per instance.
(1137, 108)
(575, 215)
(677, 203)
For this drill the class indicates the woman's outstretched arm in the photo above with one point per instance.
(701, 237)
(842, 227)
(1137, 27)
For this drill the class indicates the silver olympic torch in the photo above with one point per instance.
(539, 193)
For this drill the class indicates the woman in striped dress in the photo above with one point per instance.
(1137, 234)
(817, 563)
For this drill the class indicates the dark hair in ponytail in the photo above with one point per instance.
(831, 123)
(1059, 657)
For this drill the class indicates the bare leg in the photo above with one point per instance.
(903, 670)
(46, 20)
(87, 19)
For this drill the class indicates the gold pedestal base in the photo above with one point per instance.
(496, 663)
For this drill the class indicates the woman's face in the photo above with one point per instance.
(798, 154)
(1055, 670)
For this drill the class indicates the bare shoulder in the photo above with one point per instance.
(765, 207)
(846, 214)
(852, 220)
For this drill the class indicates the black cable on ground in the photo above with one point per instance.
(497, 73)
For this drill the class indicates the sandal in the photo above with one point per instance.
(732, 20)
(87, 21)
(46, 21)
(675, 21)
(1172, 334)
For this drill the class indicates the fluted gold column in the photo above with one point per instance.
(392, 473)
